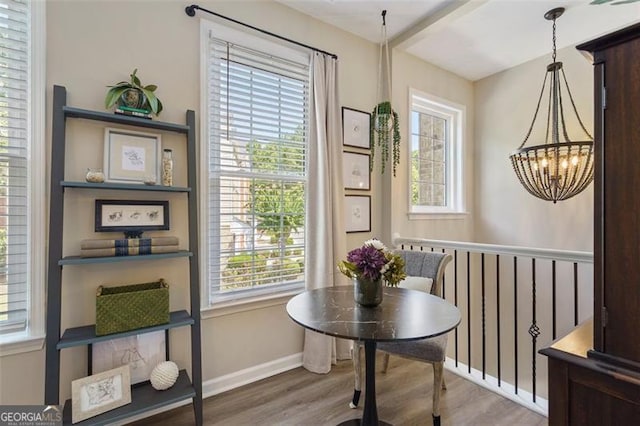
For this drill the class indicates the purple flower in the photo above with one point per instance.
(368, 260)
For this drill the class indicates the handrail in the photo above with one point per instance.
(538, 253)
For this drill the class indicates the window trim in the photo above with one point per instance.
(456, 118)
(259, 298)
(32, 338)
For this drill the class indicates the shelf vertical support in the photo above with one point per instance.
(194, 267)
(54, 272)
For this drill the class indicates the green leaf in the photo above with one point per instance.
(159, 106)
(113, 95)
(151, 87)
(152, 99)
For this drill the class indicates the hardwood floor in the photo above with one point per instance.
(299, 397)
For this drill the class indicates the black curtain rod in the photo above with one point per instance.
(191, 11)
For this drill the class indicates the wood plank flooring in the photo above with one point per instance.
(299, 397)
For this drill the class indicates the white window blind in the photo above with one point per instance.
(14, 164)
(258, 115)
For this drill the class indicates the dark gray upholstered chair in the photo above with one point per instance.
(425, 264)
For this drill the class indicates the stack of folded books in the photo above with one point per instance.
(136, 112)
(128, 246)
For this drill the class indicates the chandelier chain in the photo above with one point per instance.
(533, 122)
(575, 109)
(554, 39)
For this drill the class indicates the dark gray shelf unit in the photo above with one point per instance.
(144, 398)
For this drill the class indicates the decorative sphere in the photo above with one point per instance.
(164, 375)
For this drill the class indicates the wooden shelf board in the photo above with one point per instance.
(85, 335)
(143, 398)
(77, 260)
(124, 186)
(124, 119)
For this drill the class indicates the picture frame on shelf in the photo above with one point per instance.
(141, 353)
(356, 128)
(131, 156)
(99, 393)
(357, 213)
(355, 171)
(131, 216)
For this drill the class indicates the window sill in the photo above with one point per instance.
(20, 344)
(438, 216)
(247, 304)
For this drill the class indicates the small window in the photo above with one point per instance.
(257, 120)
(435, 155)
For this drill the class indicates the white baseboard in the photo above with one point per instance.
(507, 390)
(250, 375)
(233, 380)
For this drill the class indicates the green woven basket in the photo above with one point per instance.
(130, 307)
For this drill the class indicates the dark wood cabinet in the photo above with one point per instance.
(616, 59)
(594, 372)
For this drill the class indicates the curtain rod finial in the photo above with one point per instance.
(191, 10)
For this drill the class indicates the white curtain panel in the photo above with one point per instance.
(326, 236)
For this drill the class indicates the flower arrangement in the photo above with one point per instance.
(374, 261)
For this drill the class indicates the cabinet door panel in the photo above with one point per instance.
(621, 200)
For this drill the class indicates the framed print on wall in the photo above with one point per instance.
(131, 216)
(357, 213)
(131, 157)
(100, 393)
(355, 128)
(355, 171)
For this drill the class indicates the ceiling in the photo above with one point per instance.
(472, 38)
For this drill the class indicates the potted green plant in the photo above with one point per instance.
(132, 94)
(385, 133)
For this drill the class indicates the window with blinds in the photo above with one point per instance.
(257, 118)
(14, 164)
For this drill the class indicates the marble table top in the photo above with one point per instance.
(403, 314)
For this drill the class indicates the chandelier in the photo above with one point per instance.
(559, 168)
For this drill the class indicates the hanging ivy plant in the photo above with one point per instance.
(384, 132)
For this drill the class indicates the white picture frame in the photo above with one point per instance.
(357, 213)
(355, 128)
(131, 157)
(99, 393)
(355, 171)
(141, 353)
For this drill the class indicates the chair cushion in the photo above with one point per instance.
(417, 283)
(432, 349)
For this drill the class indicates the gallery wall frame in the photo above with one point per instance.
(355, 171)
(357, 213)
(355, 128)
(99, 393)
(130, 156)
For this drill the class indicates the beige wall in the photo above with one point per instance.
(409, 72)
(504, 212)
